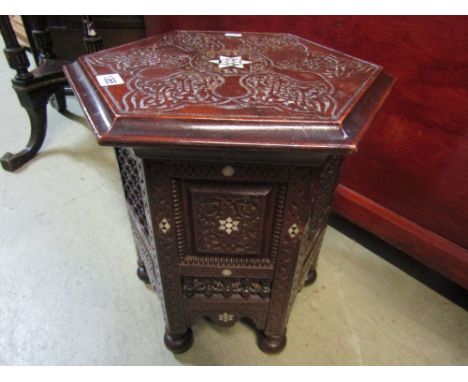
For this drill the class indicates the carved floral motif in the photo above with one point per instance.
(189, 41)
(329, 66)
(220, 235)
(284, 93)
(178, 70)
(263, 252)
(134, 60)
(225, 287)
(173, 92)
(293, 250)
(265, 43)
(261, 90)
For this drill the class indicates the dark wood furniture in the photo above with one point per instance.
(420, 136)
(69, 36)
(35, 88)
(73, 34)
(229, 147)
(408, 182)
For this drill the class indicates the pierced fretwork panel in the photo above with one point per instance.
(131, 172)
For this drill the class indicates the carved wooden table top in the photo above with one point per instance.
(228, 89)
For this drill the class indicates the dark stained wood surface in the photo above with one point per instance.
(413, 161)
(285, 92)
(66, 32)
(424, 245)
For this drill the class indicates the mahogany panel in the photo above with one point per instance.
(231, 204)
(413, 160)
(429, 248)
(251, 90)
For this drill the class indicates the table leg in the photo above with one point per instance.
(59, 101)
(178, 343)
(38, 118)
(311, 277)
(142, 273)
(312, 273)
(271, 345)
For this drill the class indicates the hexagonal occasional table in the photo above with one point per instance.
(229, 146)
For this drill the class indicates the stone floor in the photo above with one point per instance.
(69, 294)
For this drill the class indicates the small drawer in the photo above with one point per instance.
(228, 216)
(241, 288)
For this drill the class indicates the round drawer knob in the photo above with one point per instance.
(228, 171)
(226, 272)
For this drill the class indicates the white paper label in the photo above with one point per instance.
(230, 34)
(110, 79)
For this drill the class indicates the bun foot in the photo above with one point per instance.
(179, 344)
(141, 273)
(269, 345)
(311, 277)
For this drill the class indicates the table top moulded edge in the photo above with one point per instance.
(297, 138)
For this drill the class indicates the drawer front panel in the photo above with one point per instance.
(227, 219)
(227, 216)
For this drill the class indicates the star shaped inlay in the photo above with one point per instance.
(228, 225)
(230, 62)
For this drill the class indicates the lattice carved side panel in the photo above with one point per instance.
(165, 238)
(131, 172)
(321, 192)
(295, 219)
